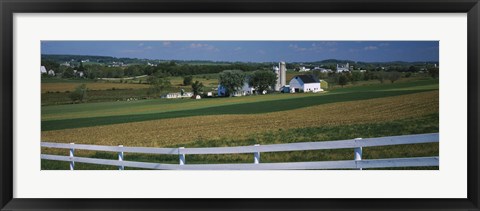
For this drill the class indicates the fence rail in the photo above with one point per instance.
(356, 144)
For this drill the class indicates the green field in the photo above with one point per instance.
(85, 115)
(56, 91)
(364, 110)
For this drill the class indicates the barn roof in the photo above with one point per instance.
(308, 79)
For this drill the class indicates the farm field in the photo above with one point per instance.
(405, 107)
(57, 91)
(60, 117)
(70, 86)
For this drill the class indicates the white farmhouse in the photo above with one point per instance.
(43, 70)
(322, 70)
(51, 72)
(303, 69)
(177, 95)
(245, 90)
(79, 74)
(305, 83)
(343, 68)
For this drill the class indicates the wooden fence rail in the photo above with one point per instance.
(355, 144)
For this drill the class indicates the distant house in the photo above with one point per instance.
(343, 68)
(79, 74)
(43, 70)
(51, 72)
(304, 69)
(322, 70)
(65, 64)
(305, 83)
(245, 90)
(177, 95)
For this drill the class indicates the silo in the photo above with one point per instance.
(283, 74)
(277, 71)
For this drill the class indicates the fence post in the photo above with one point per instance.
(120, 158)
(358, 152)
(256, 156)
(181, 157)
(72, 163)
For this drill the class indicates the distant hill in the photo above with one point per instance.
(322, 63)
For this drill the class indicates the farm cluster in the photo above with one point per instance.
(250, 84)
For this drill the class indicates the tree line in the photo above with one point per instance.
(171, 68)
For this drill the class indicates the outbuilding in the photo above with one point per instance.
(305, 83)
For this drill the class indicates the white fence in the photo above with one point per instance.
(355, 144)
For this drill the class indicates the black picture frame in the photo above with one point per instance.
(9, 7)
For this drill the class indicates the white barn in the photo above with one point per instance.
(305, 83)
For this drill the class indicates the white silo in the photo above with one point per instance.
(276, 70)
(283, 74)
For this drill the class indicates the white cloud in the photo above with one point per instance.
(298, 48)
(197, 45)
(131, 51)
(202, 46)
(370, 48)
(315, 47)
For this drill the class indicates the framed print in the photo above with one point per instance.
(239, 105)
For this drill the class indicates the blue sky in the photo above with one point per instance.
(252, 51)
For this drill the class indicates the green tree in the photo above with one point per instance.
(412, 69)
(68, 73)
(50, 65)
(433, 72)
(158, 82)
(187, 80)
(80, 93)
(342, 80)
(380, 76)
(231, 80)
(261, 80)
(368, 75)
(197, 87)
(356, 76)
(81, 68)
(393, 76)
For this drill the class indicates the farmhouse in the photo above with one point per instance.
(177, 95)
(245, 90)
(79, 74)
(43, 70)
(322, 70)
(305, 83)
(304, 69)
(51, 72)
(343, 68)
